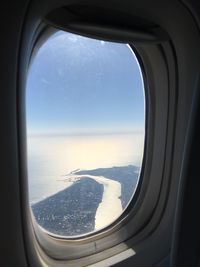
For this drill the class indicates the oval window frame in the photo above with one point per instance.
(117, 235)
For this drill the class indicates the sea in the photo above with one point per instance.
(52, 157)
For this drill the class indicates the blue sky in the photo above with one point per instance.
(80, 85)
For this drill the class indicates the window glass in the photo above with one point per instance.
(85, 112)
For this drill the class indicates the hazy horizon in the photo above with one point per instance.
(89, 133)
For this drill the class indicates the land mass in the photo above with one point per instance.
(71, 211)
(78, 208)
(126, 175)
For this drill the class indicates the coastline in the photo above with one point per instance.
(107, 212)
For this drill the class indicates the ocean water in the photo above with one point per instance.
(51, 158)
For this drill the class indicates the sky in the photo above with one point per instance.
(78, 85)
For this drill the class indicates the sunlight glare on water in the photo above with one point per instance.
(50, 158)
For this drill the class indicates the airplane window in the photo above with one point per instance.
(85, 112)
